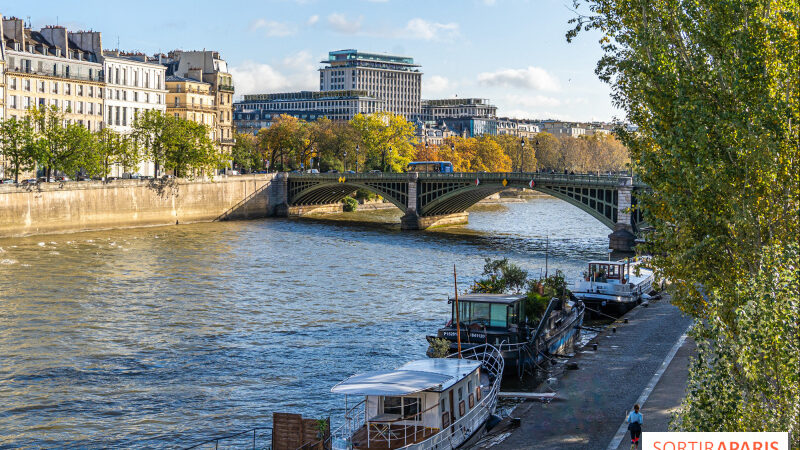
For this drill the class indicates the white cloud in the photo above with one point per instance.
(273, 28)
(312, 20)
(436, 85)
(418, 28)
(340, 23)
(534, 101)
(294, 73)
(529, 78)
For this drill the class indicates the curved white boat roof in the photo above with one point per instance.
(390, 382)
(454, 368)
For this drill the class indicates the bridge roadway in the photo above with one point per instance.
(435, 199)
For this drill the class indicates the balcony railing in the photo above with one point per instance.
(227, 141)
(226, 87)
(57, 73)
(192, 106)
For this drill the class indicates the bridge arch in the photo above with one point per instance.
(461, 199)
(334, 192)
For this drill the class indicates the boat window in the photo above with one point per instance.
(513, 313)
(613, 271)
(483, 314)
(469, 386)
(443, 406)
(393, 405)
(402, 406)
(460, 393)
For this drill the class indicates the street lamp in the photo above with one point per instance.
(345, 160)
(522, 149)
(356, 158)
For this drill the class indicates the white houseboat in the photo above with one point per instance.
(616, 286)
(437, 403)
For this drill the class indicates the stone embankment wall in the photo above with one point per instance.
(78, 206)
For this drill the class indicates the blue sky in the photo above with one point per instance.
(510, 51)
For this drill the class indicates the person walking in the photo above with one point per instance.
(635, 420)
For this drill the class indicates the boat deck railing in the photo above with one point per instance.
(255, 438)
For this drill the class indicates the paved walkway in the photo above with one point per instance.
(593, 400)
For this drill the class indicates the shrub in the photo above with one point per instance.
(440, 348)
(350, 204)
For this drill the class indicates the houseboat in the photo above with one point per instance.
(614, 286)
(502, 321)
(437, 403)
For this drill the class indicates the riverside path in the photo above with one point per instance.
(645, 360)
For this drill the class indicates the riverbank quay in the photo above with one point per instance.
(64, 207)
(646, 358)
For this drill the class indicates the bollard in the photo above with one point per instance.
(572, 366)
(626, 320)
(614, 329)
(516, 422)
(594, 347)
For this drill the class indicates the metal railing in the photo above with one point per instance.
(56, 73)
(192, 106)
(226, 87)
(509, 177)
(243, 440)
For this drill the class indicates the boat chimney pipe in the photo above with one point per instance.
(458, 322)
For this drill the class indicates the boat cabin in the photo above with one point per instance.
(487, 319)
(608, 272)
(412, 403)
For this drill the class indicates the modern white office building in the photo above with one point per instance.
(394, 79)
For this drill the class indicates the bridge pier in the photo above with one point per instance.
(412, 221)
(622, 238)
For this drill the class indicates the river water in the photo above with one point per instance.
(162, 337)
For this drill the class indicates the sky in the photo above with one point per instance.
(512, 52)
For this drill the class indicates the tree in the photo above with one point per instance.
(188, 147)
(481, 154)
(387, 140)
(16, 145)
(713, 88)
(60, 145)
(113, 148)
(281, 141)
(245, 153)
(150, 135)
(523, 158)
(548, 154)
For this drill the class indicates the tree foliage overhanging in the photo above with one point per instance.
(713, 88)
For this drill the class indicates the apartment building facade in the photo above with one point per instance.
(193, 100)
(134, 85)
(208, 67)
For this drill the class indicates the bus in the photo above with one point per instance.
(430, 166)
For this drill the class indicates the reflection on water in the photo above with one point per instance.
(165, 336)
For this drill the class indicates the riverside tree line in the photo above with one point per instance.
(387, 142)
(44, 139)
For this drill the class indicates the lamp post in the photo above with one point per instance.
(536, 149)
(383, 159)
(522, 159)
(356, 158)
(345, 160)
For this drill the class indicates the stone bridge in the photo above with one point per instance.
(433, 199)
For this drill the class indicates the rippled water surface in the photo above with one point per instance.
(162, 337)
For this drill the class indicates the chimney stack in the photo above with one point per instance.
(14, 29)
(88, 41)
